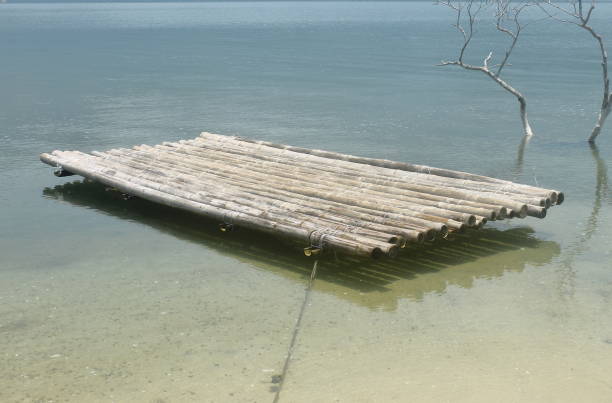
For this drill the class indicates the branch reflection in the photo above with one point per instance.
(580, 245)
(520, 158)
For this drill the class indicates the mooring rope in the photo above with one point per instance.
(296, 330)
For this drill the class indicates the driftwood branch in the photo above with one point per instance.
(504, 12)
(467, 12)
(575, 14)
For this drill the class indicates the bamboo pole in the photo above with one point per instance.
(293, 172)
(316, 190)
(384, 232)
(159, 181)
(398, 167)
(321, 190)
(266, 153)
(451, 224)
(450, 192)
(480, 222)
(367, 170)
(343, 231)
(256, 188)
(347, 203)
(554, 195)
(248, 221)
(408, 230)
(337, 186)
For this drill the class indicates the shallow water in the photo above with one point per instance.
(103, 299)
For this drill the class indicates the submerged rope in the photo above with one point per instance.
(296, 330)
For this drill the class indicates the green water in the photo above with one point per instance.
(103, 299)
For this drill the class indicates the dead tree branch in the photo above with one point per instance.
(506, 22)
(575, 14)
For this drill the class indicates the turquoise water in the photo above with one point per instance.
(103, 299)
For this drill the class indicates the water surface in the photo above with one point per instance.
(103, 299)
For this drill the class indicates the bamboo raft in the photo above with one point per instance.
(355, 205)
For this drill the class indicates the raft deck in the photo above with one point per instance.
(328, 200)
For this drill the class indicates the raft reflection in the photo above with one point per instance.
(419, 270)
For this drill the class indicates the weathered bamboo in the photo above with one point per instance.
(481, 222)
(293, 172)
(339, 174)
(498, 185)
(256, 188)
(346, 203)
(535, 211)
(225, 144)
(235, 203)
(554, 195)
(407, 230)
(357, 245)
(327, 191)
(383, 232)
(337, 187)
(419, 186)
(317, 190)
(367, 173)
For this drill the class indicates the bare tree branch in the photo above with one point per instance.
(589, 13)
(504, 12)
(466, 23)
(580, 19)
